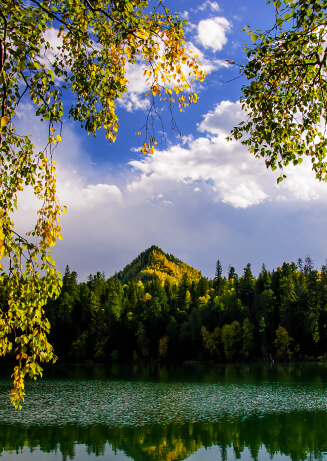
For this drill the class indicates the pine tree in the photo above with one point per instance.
(218, 279)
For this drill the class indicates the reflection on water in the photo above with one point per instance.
(223, 413)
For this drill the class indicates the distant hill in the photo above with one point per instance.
(154, 262)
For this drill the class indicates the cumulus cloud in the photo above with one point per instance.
(222, 119)
(212, 32)
(226, 168)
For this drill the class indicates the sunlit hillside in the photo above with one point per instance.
(154, 262)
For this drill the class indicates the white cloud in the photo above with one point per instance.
(136, 81)
(90, 196)
(48, 56)
(229, 172)
(244, 195)
(213, 6)
(167, 202)
(137, 87)
(301, 184)
(133, 101)
(226, 168)
(222, 119)
(212, 32)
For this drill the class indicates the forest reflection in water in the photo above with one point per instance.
(280, 409)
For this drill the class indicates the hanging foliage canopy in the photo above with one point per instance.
(94, 43)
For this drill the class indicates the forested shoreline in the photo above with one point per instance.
(176, 315)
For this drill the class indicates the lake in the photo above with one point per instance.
(142, 413)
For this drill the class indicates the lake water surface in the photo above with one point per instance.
(247, 412)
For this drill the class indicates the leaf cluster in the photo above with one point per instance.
(285, 99)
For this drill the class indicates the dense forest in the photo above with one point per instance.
(160, 309)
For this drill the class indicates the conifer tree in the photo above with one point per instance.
(218, 279)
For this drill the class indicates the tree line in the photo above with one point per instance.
(280, 315)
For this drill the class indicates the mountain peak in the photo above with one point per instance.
(153, 262)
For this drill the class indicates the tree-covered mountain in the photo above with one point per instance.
(153, 262)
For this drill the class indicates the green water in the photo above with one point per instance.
(247, 412)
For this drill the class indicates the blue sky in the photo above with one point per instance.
(199, 198)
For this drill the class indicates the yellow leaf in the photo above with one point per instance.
(59, 137)
(4, 121)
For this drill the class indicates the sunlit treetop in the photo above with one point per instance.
(47, 49)
(285, 101)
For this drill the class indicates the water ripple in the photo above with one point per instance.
(133, 403)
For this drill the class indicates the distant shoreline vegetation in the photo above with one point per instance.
(159, 309)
